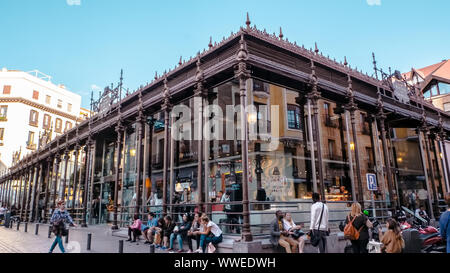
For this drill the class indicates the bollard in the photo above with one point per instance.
(26, 227)
(18, 225)
(152, 248)
(67, 237)
(10, 224)
(120, 246)
(49, 231)
(89, 241)
(37, 229)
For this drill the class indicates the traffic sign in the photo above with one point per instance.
(371, 182)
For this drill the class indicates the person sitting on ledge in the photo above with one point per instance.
(279, 236)
(169, 226)
(150, 229)
(180, 233)
(135, 228)
(210, 234)
(159, 232)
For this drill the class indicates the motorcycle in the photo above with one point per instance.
(432, 240)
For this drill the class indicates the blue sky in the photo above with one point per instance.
(87, 44)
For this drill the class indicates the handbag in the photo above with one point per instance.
(298, 233)
(316, 236)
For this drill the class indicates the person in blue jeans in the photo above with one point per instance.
(59, 217)
(444, 225)
(210, 234)
(149, 229)
(180, 233)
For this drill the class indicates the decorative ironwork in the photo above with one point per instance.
(105, 100)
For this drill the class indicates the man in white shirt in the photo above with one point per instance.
(319, 221)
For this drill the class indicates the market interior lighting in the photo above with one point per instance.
(133, 152)
(252, 118)
(352, 146)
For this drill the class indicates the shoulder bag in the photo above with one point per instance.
(316, 236)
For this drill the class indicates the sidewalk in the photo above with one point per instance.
(13, 241)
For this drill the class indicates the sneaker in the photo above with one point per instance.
(198, 251)
(170, 249)
(180, 250)
(146, 242)
(189, 251)
(157, 246)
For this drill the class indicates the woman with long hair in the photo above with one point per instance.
(59, 217)
(392, 240)
(294, 231)
(362, 224)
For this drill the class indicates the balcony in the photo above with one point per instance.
(31, 146)
(330, 122)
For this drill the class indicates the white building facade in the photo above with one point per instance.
(31, 105)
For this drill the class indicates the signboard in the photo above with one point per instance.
(401, 91)
(371, 182)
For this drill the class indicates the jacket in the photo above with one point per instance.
(275, 232)
(183, 228)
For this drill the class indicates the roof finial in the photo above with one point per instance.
(281, 34)
(248, 21)
(345, 61)
(180, 62)
(315, 48)
(210, 42)
(156, 75)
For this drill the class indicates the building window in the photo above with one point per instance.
(30, 142)
(47, 121)
(68, 126)
(48, 99)
(34, 118)
(58, 125)
(331, 147)
(433, 89)
(444, 88)
(7, 89)
(3, 112)
(35, 94)
(69, 107)
(293, 112)
(59, 104)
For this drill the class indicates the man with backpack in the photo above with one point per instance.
(319, 223)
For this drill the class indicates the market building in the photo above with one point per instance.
(254, 115)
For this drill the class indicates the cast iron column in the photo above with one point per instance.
(18, 196)
(314, 96)
(243, 74)
(47, 186)
(200, 93)
(64, 179)
(31, 185)
(76, 154)
(166, 108)
(55, 178)
(352, 107)
(37, 194)
(119, 131)
(87, 168)
(430, 166)
(139, 127)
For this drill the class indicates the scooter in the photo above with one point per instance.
(432, 240)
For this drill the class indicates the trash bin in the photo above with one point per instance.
(413, 242)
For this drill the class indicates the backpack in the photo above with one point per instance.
(350, 232)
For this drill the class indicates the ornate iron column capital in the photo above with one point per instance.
(166, 97)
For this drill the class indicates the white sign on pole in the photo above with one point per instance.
(371, 182)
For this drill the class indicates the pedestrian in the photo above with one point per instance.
(392, 240)
(319, 223)
(295, 231)
(422, 195)
(360, 225)
(411, 197)
(279, 236)
(444, 222)
(59, 217)
(134, 228)
(169, 226)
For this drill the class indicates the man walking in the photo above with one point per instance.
(319, 221)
